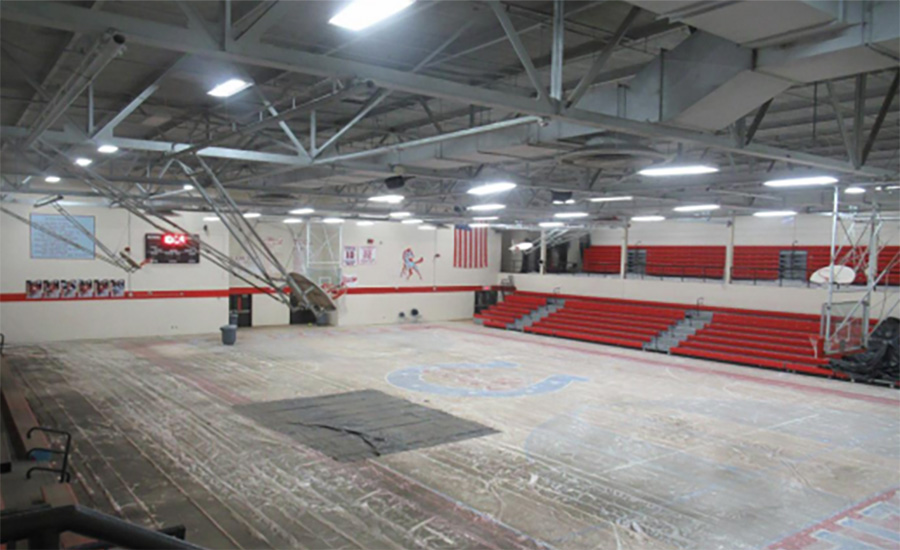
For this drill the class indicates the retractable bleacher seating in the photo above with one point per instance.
(511, 309)
(618, 324)
(764, 341)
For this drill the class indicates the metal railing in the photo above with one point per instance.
(62, 470)
(41, 527)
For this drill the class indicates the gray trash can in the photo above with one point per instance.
(229, 334)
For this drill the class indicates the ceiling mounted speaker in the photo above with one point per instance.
(394, 182)
(560, 196)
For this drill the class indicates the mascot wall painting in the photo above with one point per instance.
(410, 264)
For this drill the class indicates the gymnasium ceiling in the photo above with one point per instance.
(449, 95)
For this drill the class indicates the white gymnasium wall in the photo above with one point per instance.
(42, 321)
(382, 291)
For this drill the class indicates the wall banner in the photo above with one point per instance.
(350, 255)
(366, 255)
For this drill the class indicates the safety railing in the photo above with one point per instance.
(41, 527)
(35, 452)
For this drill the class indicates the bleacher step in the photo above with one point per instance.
(680, 331)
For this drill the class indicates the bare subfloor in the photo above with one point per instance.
(586, 446)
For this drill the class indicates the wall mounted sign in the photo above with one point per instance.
(171, 248)
(366, 255)
(46, 247)
(55, 289)
(350, 255)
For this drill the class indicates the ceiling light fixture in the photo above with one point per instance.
(612, 199)
(648, 218)
(364, 223)
(107, 149)
(211, 219)
(187, 187)
(801, 182)
(491, 188)
(400, 214)
(485, 218)
(365, 13)
(479, 225)
(81, 161)
(697, 208)
(230, 87)
(774, 213)
(389, 199)
(567, 201)
(486, 207)
(333, 220)
(291, 220)
(427, 227)
(551, 224)
(301, 211)
(251, 215)
(571, 215)
(52, 179)
(855, 190)
(687, 170)
(412, 221)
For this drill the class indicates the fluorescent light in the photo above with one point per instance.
(364, 223)
(689, 170)
(648, 218)
(107, 149)
(487, 207)
(333, 220)
(389, 199)
(491, 188)
(251, 215)
(211, 219)
(855, 190)
(774, 213)
(551, 224)
(52, 179)
(571, 215)
(485, 218)
(697, 208)
(412, 221)
(81, 161)
(477, 225)
(187, 187)
(892, 187)
(427, 227)
(612, 199)
(292, 220)
(400, 214)
(800, 182)
(229, 88)
(301, 211)
(365, 13)
(567, 201)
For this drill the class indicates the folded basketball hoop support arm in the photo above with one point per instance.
(135, 206)
(848, 254)
(245, 235)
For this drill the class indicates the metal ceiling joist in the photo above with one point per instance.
(107, 47)
(519, 48)
(68, 17)
(879, 120)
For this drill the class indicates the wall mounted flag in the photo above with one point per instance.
(470, 249)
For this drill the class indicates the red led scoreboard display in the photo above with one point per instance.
(171, 248)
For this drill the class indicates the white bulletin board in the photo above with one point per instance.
(46, 247)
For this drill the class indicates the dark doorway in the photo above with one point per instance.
(243, 304)
(301, 316)
(484, 299)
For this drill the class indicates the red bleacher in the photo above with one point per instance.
(685, 261)
(768, 341)
(761, 262)
(620, 324)
(601, 259)
(512, 308)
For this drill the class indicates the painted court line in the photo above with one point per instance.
(691, 368)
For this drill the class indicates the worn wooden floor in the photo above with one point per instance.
(597, 447)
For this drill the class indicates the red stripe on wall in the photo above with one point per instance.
(224, 293)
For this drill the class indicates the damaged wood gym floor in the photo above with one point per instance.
(552, 443)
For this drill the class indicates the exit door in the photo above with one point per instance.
(243, 304)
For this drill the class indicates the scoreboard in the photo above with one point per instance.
(171, 248)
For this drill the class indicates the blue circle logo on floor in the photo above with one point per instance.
(463, 380)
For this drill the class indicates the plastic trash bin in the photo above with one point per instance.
(229, 334)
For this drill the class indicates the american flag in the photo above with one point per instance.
(470, 248)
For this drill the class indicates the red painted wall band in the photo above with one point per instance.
(224, 293)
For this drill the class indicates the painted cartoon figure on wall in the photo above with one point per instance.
(409, 264)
